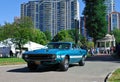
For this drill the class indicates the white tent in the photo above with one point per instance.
(33, 46)
(5, 47)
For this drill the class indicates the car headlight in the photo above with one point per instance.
(58, 56)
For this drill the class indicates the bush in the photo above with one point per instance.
(90, 45)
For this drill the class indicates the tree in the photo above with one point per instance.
(63, 35)
(67, 36)
(1, 33)
(83, 40)
(21, 32)
(72, 33)
(25, 34)
(24, 22)
(48, 35)
(20, 37)
(7, 31)
(38, 36)
(116, 33)
(95, 15)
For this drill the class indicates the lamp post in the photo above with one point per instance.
(76, 24)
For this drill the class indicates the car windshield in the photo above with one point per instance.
(58, 45)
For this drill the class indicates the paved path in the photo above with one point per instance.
(95, 70)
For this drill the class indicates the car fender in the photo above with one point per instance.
(63, 56)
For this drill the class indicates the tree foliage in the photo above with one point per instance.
(83, 40)
(21, 32)
(1, 34)
(48, 35)
(95, 15)
(63, 35)
(38, 37)
(71, 33)
(116, 33)
(66, 36)
(25, 22)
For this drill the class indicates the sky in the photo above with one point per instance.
(11, 8)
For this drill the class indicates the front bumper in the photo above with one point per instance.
(42, 58)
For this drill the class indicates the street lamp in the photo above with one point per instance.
(76, 25)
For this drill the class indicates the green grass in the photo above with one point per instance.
(11, 61)
(115, 76)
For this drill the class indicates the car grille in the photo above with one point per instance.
(42, 57)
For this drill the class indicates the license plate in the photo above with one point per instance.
(37, 62)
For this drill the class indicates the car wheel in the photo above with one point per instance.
(82, 61)
(32, 66)
(65, 64)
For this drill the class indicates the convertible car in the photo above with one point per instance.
(60, 54)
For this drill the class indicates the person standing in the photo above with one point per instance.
(92, 51)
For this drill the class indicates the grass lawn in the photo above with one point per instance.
(115, 76)
(11, 61)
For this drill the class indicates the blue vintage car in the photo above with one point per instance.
(57, 53)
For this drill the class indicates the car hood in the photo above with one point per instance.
(44, 51)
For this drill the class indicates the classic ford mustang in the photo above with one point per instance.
(60, 54)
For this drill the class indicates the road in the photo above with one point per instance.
(95, 70)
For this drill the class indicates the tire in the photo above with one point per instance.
(82, 61)
(65, 64)
(32, 66)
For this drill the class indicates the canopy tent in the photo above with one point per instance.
(7, 44)
(33, 46)
(106, 43)
(29, 45)
(6, 47)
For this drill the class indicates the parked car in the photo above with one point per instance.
(56, 53)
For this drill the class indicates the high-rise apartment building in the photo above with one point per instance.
(113, 17)
(114, 21)
(110, 6)
(52, 15)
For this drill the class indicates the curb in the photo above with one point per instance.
(109, 75)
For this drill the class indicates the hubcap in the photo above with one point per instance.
(66, 63)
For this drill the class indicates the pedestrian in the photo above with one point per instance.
(11, 53)
(112, 49)
(92, 51)
(97, 50)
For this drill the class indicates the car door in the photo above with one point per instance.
(76, 54)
